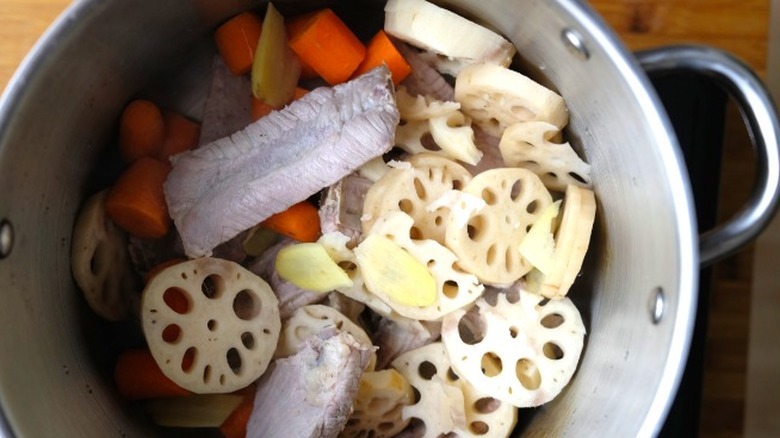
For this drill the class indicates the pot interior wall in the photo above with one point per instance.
(61, 115)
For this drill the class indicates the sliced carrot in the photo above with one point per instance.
(261, 109)
(137, 377)
(181, 134)
(237, 39)
(301, 222)
(380, 50)
(235, 425)
(136, 202)
(322, 41)
(141, 130)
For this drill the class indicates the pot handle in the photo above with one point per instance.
(760, 116)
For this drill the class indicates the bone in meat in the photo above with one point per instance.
(216, 191)
(424, 79)
(228, 106)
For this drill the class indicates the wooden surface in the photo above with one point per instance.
(739, 26)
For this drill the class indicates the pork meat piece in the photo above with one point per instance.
(395, 338)
(290, 296)
(228, 107)
(220, 189)
(311, 393)
(424, 79)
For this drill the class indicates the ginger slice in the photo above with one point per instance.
(525, 351)
(100, 263)
(309, 320)
(529, 145)
(380, 400)
(487, 243)
(571, 244)
(454, 287)
(308, 266)
(496, 97)
(447, 403)
(211, 325)
(391, 272)
(412, 189)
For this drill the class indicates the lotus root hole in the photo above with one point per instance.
(96, 261)
(489, 196)
(513, 332)
(188, 359)
(486, 405)
(212, 286)
(171, 333)
(438, 220)
(528, 374)
(177, 300)
(491, 365)
(406, 206)
(457, 184)
(233, 358)
(211, 325)
(429, 143)
(451, 376)
(385, 426)
(471, 328)
(532, 207)
(207, 374)
(479, 428)
(577, 177)
(476, 228)
(510, 255)
(419, 189)
(450, 289)
(427, 370)
(522, 112)
(552, 351)
(246, 305)
(416, 234)
(551, 321)
(248, 340)
(415, 395)
(516, 190)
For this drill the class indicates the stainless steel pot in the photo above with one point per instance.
(637, 295)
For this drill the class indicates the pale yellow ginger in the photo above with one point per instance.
(538, 245)
(389, 271)
(571, 244)
(308, 266)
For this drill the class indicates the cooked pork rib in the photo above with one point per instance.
(217, 191)
(310, 393)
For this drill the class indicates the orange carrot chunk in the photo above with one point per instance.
(381, 50)
(301, 222)
(181, 134)
(137, 377)
(141, 130)
(237, 39)
(136, 202)
(235, 425)
(323, 42)
(261, 109)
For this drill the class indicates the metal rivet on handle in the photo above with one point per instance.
(657, 305)
(6, 238)
(573, 41)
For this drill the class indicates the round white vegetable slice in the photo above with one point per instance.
(211, 325)
(378, 405)
(486, 241)
(309, 320)
(100, 263)
(496, 97)
(412, 190)
(447, 404)
(522, 352)
(529, 145)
